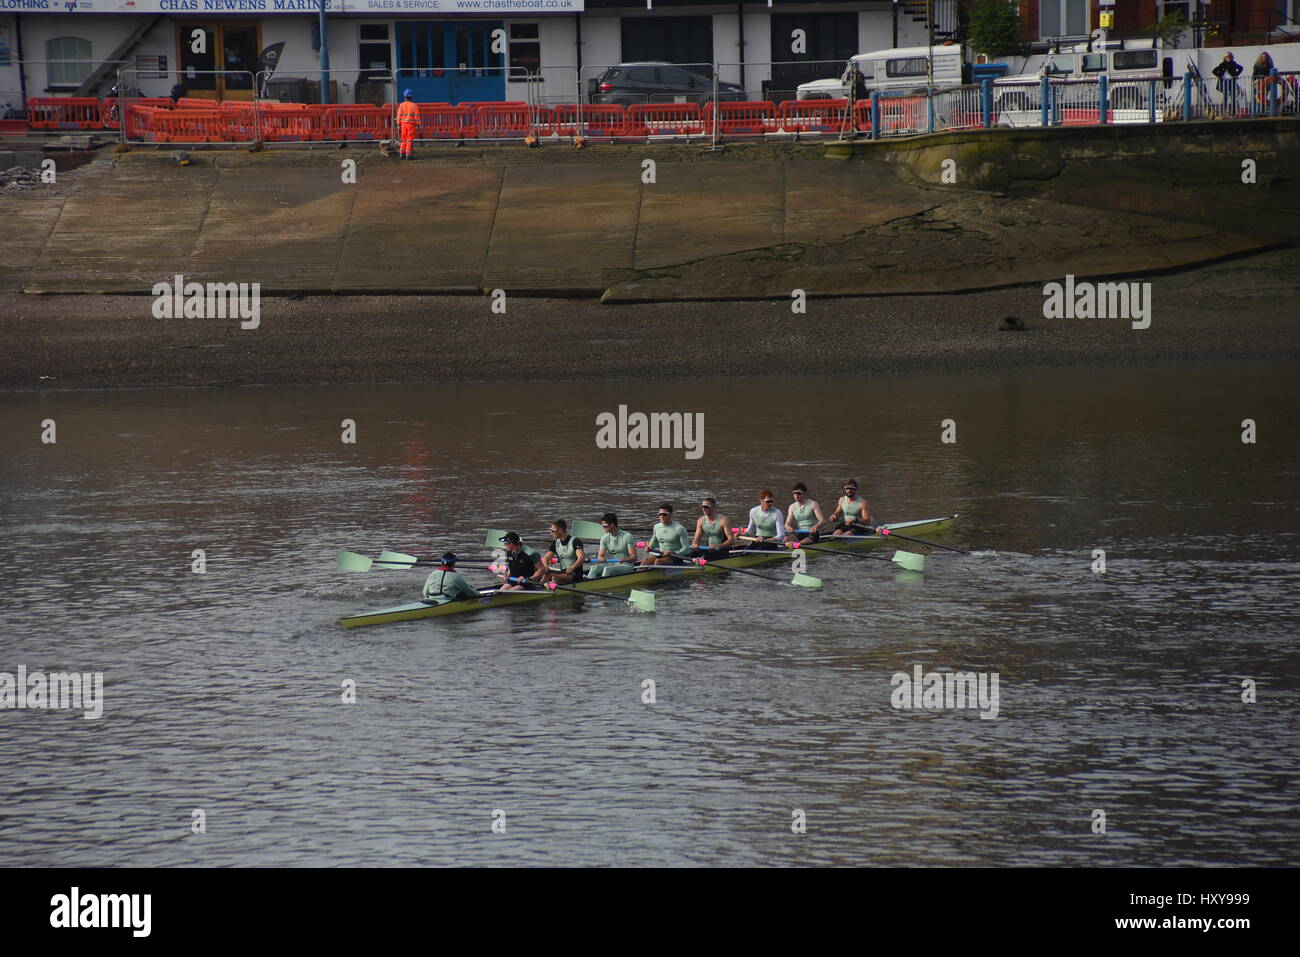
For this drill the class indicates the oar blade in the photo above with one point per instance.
(493, 538)
(587, 530)
(396, 559)
(910, 560)
(643, 601)
(806, 581)
(352, 562)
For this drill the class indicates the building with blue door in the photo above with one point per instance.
(451, 51)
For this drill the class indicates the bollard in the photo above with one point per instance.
(875, 114)
(1103, 98)
(1187, 95)
(1045, 98)
(986, 100)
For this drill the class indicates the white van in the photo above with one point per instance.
(1128, 65)
(902, 69)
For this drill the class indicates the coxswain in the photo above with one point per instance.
(804, 517)
(521, 566)
(564, 562)
(852, 515)
(766, 526)
(713, 537)
(617, 552)
(446, 584)
(669, 543)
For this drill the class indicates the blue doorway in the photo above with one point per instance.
(445, 61)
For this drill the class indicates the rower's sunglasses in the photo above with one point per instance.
(797, 492)
(664, 514)
(768, 501)
(708, 508)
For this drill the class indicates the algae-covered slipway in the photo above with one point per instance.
(750, 221)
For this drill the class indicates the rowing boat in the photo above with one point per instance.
(495, 599)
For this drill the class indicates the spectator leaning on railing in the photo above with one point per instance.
(1227, 73)
(1263, 77)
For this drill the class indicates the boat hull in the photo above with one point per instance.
(923, 528)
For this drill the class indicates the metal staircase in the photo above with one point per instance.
(90, 86)
(945, 15)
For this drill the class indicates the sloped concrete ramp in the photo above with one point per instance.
(554, 222)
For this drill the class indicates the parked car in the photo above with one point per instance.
(630, 83)
(1128, 65)
(904, 69)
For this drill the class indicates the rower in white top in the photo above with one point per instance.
(766, 528)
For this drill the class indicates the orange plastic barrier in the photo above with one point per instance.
(503, 120)
(289, 123)
(358, 122)
(903, 114)
(664, 119)
(739, 119)
(197, 103)
(187, 126)
(441, 121)
(598, 119)
(240, 122)
(112, 106)
(814, 116)
(65, 113)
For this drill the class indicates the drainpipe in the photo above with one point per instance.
(740, 18)
(22, 67)
(577, 19)
(324, 60)
(894, 7)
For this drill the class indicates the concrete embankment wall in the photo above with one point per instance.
(754, 222)
(1192, 172)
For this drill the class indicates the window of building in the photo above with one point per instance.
(525, 52)
(70, 61)
(672, 39)
(374, 52)
(1062, 18)
(1181, 7)
(1289, 14)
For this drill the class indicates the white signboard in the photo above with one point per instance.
(436, 8)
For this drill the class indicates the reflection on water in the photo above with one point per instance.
(1119, 691)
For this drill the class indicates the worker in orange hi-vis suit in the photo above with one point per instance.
(408, 120)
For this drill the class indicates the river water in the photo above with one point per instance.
(1119, 692)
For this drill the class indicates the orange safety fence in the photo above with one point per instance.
(501, 120)
(240, 121)
(814, 116)
(65, 113)
(289, 123)
(112, 107)
(741, 118)
(177, 126)
(664, 119)
(440, 121)
(599, 119)
(357, 122)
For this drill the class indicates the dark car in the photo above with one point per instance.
(630, 83)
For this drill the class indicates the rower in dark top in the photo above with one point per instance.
(564, 563)
(519, 564)
(446, 584)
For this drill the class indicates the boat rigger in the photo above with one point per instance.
(634, 579)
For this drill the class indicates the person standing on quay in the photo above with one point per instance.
(1227, 73)
(408, 120)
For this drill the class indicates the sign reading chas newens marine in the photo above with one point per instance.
(439, 7)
